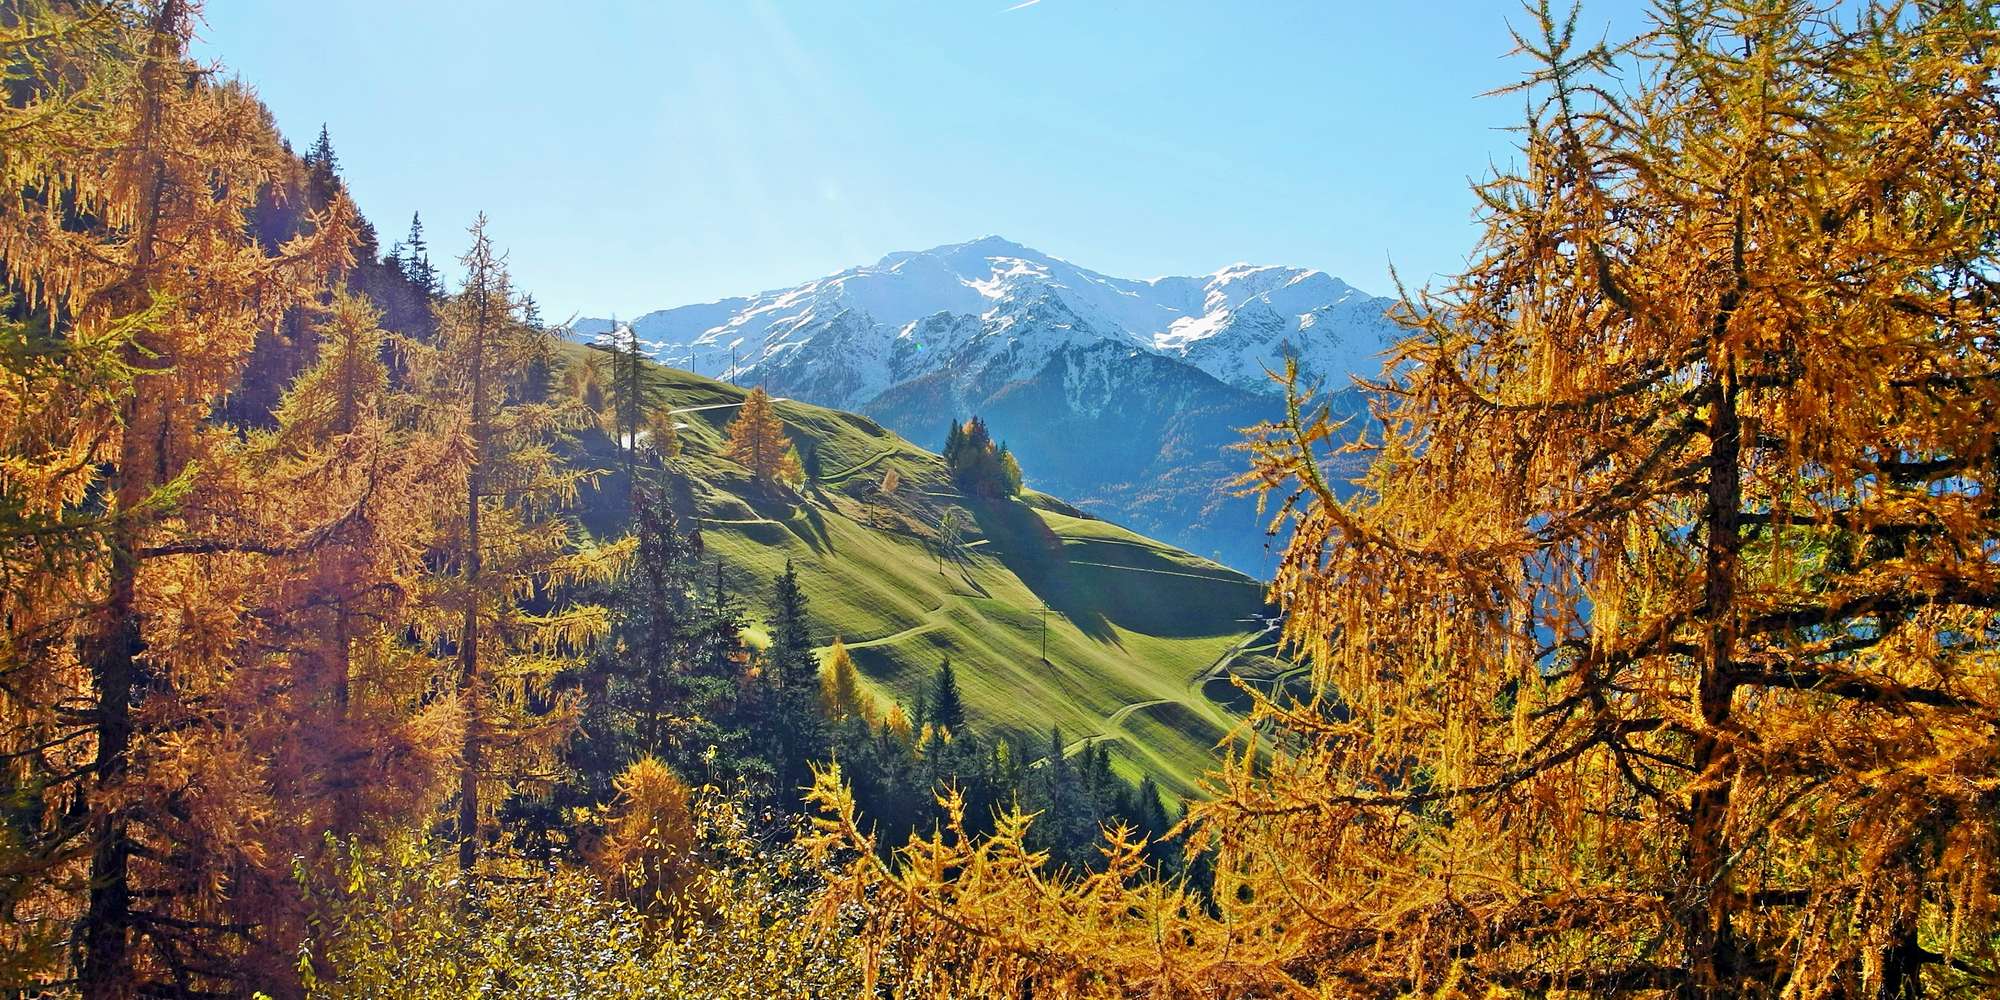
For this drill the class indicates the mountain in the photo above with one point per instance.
(1139, 633)
(1126, 395)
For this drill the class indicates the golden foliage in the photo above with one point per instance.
(647, 855)
(486, 387)
(757, 441)
(1655, 652)
(399, 921)
(840, 694)
(222, 641)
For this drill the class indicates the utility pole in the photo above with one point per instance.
(732, 364)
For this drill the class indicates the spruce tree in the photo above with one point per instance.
(322, 172)
(417, 267)
(799, 731)
(658, 612)
(947, 709)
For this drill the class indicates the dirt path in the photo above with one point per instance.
(1165, 572)
(1195, 683)
(924, 624)
(833, 477)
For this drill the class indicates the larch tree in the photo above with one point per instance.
(1656, 652)
(841, 697)
(304, 548)
(502, 609)
(130, 182)
(758, 442)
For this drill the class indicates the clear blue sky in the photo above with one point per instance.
(639, 154)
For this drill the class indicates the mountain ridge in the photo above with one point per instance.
(1187, 317)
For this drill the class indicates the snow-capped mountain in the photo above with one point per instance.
(1122, 395)
(849, 337)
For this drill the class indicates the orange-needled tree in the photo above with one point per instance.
(757, 441)
(1655, 653)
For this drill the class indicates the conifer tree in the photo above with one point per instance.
(636, 418)
(896, 726)
(1654, 654)
(841, 697)
(416, 257)
(978, 466)
(947, 705)
(758, 442)
(506, 541)
(800, 726)
(791, 636)
(1152, 809)
(659, 614)
(322, 171)
(130, 187)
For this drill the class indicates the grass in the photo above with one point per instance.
(1134, 626)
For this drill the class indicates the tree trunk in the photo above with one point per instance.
(1705, 914)
(113, 650)
(104, 965)
(468, 647)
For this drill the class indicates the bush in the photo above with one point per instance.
(401, 921)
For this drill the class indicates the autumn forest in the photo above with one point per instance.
(368, 633)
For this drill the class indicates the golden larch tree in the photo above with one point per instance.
(840, 693)
(502, 606)
(130, 181)
(757, 441)
(1655, 653)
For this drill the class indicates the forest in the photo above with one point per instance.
(1653, 649)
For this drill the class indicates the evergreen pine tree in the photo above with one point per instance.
(416, 257)
(799, 730)
(322, 172)
(659, 613)
(1151, 808)
(947, 709)
(954, 440)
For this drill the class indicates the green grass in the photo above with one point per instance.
(1134, 626)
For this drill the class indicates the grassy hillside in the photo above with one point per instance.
(1136, 630)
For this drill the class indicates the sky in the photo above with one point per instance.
(639, 154)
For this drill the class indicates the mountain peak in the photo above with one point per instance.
(991, 244)
(968, 252)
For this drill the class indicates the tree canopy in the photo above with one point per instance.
(1655, 652)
